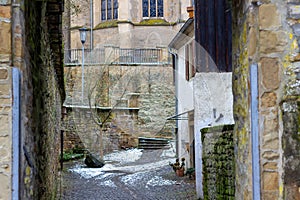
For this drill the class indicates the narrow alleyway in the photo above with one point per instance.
(128, 175)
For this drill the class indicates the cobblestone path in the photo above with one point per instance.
(159, 184)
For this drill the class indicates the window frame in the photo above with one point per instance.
(159, 9)
(189, 56)
(111, 10)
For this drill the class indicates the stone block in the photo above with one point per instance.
(3, 73)
(5, 12)
(270, 125)
(270, 166)
(268, 16)
(266, 195)
(18, 46)
(270, 181)
(272, 41)
(5, 90)
(4, 123)
(5, 37)
(271, 141)
(268, 99)
(270, 73)
(5, 189)
(252, 44)
(270, 155)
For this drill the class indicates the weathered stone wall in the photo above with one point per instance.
(218, 162)
(266, 33)
(140, 97)
(5, 101)
(31, 41)
(42, 98)
(128, 30)
(5, 131)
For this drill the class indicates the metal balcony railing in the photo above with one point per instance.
(118, 56)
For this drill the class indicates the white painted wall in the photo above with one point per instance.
(184, 95)
(211, 91)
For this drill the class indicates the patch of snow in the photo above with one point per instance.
(146, 167)
(170, 153)
(159, 181)
(124, 157)
(132, 179)
(108, 183)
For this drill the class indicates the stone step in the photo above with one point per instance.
(153, 143)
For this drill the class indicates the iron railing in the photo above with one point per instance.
(118, 56)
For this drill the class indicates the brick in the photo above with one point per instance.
(3, 74)
(4, 123)
(5, 90)
(270, 73)
(270, 181)
(268, 16)
(272, 41)
(270, 166)
(270, 125)
(271, 141)
(268, 99)
(5, 38)
(270, 155)
(269, 195)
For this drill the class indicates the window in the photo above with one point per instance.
(109, 9)
(213, 32)
(153, 8)
(189, 61)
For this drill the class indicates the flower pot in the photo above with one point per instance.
(180, 172)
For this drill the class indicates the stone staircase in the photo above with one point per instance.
(153, 143)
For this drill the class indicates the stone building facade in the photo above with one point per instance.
(118, 38)
(128, 28)
(266, 34)
(32, 92)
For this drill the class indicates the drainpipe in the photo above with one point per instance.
(176, 93)
(92, 24)
(15, 133)
(255, 132)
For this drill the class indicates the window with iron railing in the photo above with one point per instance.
(153, 8)
(109, 9)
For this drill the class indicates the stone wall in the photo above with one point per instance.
(140, 98)
(218, 162)
(5, 101)
(266, 33)
(5, 131)
(31, 41)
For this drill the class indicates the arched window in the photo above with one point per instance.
(109, 9)
(153, 8)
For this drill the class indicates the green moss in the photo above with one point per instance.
(218, 128)
(154, 22)
(107, 24)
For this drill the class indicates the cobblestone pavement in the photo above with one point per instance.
(158, 184)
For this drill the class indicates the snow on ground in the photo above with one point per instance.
(123, 157)
(159, 181)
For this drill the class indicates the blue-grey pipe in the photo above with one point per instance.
(255, 132)
(15, 133)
